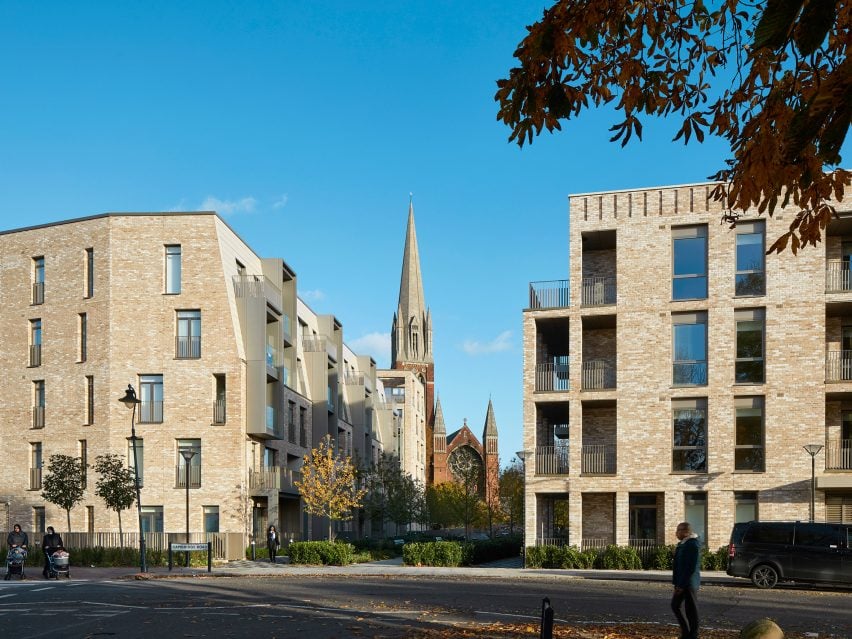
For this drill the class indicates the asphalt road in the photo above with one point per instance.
(340, 606)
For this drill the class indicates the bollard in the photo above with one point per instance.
(546, 619)
(253, 557)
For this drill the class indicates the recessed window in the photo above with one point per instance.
(689, 262)
(188, 471)
(152, 519)
(151, 396)
(173, 269)
(35, 465)
(220, 412)
(188, 338)
(751, 274)
(211, 519)
(38, 403)
(35, 342)
(749, 367)
(90, 272)
(689, 349)
(38, 280)
(90, 400)
(689, 431)
(695, 512)
(82, 332)
(745, 506)
(84, 460)
(749, 451)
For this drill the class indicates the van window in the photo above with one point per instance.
(816, 535)
(769, 534)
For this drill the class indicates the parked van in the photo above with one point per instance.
(771, 551)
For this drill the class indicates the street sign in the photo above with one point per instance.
(188, 547)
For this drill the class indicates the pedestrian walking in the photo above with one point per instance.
(49, 545)
(686, 578)
(273, 542)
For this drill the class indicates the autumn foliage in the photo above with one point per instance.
(771, 77)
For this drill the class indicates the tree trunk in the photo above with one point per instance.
(120, 531)
(330, 538)
(68, 518)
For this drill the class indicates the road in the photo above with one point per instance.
(341, 606)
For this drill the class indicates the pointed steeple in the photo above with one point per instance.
(489, 433)
(440, 427)
(411, 339)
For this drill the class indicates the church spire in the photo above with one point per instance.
(489, 433)
(440, 427)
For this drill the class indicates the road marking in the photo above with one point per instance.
(40, 589)
(12, 595)
(103, 603)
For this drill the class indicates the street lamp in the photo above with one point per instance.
(187, 454)
(130, 401)
(812, 450)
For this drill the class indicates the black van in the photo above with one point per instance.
(773, 551)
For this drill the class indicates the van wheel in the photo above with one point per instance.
(764, 576)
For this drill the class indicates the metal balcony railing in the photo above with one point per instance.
(551, 541)
(194, 476)
(188, 347)
(291, 430)
(838, 455)
(838, 366)
(151, 412)
(838, 277)
(553, 376)
(219, 412)
(599, 374)
(265, 478)
(35, 355)
(303, 437)
(549, 294)
(599, 459)
(38, 416)
(38, 292)
(35, 478)
(599, 291)
(551, 460)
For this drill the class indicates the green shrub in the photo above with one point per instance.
(321, 552)
(660, 558)
(412, 554)
(588, 557)
(619, 558)
(433, 553)
(717, 560)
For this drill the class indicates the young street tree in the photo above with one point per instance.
(116, 484)
(63, 483)
(512, 492)
(785, 113)
(328, 485)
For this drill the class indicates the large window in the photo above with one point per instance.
(188, 339)
(689, 349)
(173, 269)
(38, 280)
(219, 406)
(689, 262)
(749, 451)
(750, 328)
(751, 276)
(211, 519)
(689, 435)
(139, 457)
(35, 342)
(151, 396)
(745, 506)
(695, 512)
(192, 446)
(152, 519)
(643, 519)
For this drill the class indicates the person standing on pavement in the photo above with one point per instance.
(49, 545)
(686, 578)
(273, 541)
(17, 538)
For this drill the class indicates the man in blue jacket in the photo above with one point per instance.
(686, 579)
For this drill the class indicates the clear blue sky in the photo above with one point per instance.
(306, 125)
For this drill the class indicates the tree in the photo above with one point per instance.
(328, 485)
(116, 484)
(407, 501)
(785, 114)
(378, 480)
(63, 483)
(512, 492)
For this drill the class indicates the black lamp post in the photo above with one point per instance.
(130, 401)
(812, 450)
(187, 454)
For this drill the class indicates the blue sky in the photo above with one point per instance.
(306, 125)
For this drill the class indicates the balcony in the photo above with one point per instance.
(38, 416)
(599, 291)
(354, 379)
(272, 427)
(219, 412)
(151, 412)
(35, 355)
(553, 376)
(188, 347)
(549, 294)
(287, 329)
(838, 277)
(265, 478)
(318, 344)
(599, 374)
(35, 478)
(838, 455)
(194, 476)
(551, 460)
(38, 292)
(838, 366)
(599, 459)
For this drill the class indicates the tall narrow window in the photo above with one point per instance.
(303, 431)
(90, 400)
(39, 522)
(194, 468)
(695, 512)
(689, 262)
(173, 269)
(749, 451)
(291, 422)
(90, 520)
(751, 276)
(219, 405)
(188, 339)
(35, 342)
(90, 272)
(136, 459)
(83, 329)
(38, 280)
(749, 366)
(689, 430)
(35, 466)
(38, 403)
(211, 519)
(689, 349)
(84, 460)
(151, 396)
(745, 506)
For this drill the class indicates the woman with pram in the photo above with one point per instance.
(17, 538)
(17, 541)
(49, 545)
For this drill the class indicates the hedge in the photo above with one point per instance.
(329, 553)
(432, 553)
(617, 558)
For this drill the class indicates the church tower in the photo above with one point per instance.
(490, 458)
(411, 333)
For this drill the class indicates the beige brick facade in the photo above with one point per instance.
(601, 367)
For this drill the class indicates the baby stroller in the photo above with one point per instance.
(15, 558)
(58, 564)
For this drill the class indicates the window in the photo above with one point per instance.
(745, 506)
(151, 396)
(689, 348)
(695, 512)
(219, 406)
(35, 342)
(90, 272)
(817, 536)
(38, 403)
(90, 400)
(769, 533)
(193, 471)
(749, 368)
(689, 429)
(689, 262)
(136, 459)
(749, 451)
(188, 339)
(241, 268)
(643, 518)
(270, 457)
(38, 280)
(211, 519)
(173, 269)
(291, 422)
(90, 520)
(35, 465)
(82, 330)
(751, 277)
(303, 431)
(152, 519)
(38, 519)
(84, 460)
